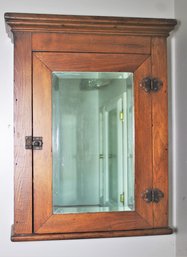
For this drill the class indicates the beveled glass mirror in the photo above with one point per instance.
(92, 142)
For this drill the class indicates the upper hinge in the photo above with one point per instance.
(34, 143)
(150, 84)
(152, 195)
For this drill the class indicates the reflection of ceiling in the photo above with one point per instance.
(92, 80)
(89, 84)
(92, 75)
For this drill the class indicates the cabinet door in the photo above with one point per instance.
(96, 159)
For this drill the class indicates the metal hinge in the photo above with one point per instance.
(121, 116)
(152, 195)
(34, 143)
(151, 84)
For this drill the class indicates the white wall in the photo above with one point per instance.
(181, 126)
(155, 246)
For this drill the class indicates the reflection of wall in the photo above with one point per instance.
(76, 166)
(87, 147)
(114, 89)
(154, 246)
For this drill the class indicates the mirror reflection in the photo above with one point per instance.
(92, 142)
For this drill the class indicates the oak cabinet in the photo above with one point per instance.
(91, 130)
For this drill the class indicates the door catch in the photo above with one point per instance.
(34, 143)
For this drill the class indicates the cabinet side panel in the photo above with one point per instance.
(23, 127)
(160, 131)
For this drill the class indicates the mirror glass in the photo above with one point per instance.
(92, 142)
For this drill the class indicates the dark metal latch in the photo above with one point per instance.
(34, 143)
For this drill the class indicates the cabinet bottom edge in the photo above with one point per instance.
(86, 235)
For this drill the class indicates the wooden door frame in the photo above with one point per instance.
(44, 219)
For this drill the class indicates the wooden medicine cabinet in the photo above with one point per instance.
(91, 129)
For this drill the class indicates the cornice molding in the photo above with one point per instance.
(88, 24)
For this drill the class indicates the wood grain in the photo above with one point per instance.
(90, 43)
(42, 159)
(160, 131)
(92, 61)
(22, 128)
(92, 222)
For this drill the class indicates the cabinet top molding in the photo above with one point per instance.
(89, 24)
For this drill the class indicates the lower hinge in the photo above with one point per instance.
(34, 143)
(152, 195)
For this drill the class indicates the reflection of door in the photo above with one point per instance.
(112, 168)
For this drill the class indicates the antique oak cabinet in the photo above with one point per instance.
(90, 126)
